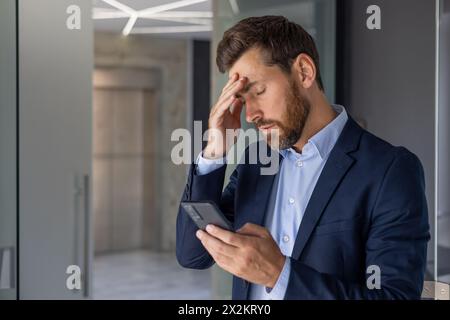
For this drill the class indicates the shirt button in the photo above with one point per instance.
(299, 163)
(286, 239)
(291, 200)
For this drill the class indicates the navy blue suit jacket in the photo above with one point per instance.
(368, 208)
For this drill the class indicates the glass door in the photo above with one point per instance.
(8, 208)
(55, 110)
(318, 17)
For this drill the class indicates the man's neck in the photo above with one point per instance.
(320, 115)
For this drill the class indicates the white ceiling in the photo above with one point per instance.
(170, 23)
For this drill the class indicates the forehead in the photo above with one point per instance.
(252, 66)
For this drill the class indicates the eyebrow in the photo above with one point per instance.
(247, 88)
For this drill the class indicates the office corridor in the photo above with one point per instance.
(147, 275)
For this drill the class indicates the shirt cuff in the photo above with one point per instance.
(279, 290)
(205, 166)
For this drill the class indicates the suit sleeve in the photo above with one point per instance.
(189, 250)
(396, 242)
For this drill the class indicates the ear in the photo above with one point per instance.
(305, 70)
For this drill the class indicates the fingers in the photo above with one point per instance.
(236, 108)
(222, 106)
(226, 236)
(232, 90)
(215, 246)
(254, 230)
(232, 86)
(231, 80)
(228, 98)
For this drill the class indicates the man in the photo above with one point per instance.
(344, 205)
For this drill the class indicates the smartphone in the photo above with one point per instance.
(206, 212)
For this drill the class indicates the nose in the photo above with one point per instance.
(252, 112)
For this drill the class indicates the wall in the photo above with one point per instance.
(201, 78)
(124, 130)
(169, 56)
(391, 73)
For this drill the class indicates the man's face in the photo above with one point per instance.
(273, 100)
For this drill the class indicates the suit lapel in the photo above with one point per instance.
(258, 206)
(331, 175)
(337, 165)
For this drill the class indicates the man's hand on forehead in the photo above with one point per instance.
(248, 84)
(225, 114)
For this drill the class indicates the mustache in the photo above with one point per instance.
(265, 122)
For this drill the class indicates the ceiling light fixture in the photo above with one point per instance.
(160, 12)
(181, 14)
(103, 13)
(198, 21)
(130, 24)
(169, 6)
(234, 7)
(171, 29)
(118, 5)
(133, 14)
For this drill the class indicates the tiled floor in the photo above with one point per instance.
(147, 275)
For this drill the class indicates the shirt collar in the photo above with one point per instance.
(324, 140)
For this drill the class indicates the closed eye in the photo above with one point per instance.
(261, 92)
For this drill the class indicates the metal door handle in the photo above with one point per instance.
(87, 234)
(7, 270)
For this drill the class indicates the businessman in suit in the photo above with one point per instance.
(342, 203)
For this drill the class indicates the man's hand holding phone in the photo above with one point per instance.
(251, 253)
(226, 114)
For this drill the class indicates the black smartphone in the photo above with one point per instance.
(206, 212)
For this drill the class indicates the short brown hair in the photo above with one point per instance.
(280, 39)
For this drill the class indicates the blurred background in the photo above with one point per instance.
(88, 106)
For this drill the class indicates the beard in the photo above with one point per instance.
(294, 118)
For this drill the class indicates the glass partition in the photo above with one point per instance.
(316, 16)
(442, 249)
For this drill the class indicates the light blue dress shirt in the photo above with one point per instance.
(295, 183)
